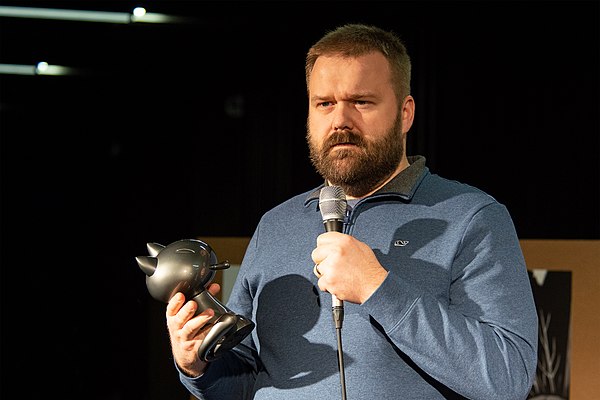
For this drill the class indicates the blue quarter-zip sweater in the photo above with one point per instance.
(455, 317)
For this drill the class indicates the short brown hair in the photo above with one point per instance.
(353, 40)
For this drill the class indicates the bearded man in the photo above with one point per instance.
(438, 303)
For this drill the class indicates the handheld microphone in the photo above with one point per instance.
(332, 203)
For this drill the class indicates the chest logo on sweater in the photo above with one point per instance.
(400, 243)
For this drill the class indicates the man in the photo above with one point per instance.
(438, 304)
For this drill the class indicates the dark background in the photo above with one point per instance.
(196, 129)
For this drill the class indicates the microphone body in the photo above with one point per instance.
(333, 204)
(333, 225)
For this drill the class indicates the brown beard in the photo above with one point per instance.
(361, 169)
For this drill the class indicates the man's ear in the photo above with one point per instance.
(408, 113)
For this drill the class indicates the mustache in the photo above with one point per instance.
(343, 137)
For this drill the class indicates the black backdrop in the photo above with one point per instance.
(196, 129)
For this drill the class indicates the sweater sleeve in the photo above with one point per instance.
(482, 342)
(233, 375)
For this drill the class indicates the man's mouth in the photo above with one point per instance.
(342, 145)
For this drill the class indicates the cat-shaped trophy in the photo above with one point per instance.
(189, 266)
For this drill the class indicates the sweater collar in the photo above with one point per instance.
(403, 185)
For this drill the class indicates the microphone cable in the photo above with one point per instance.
(338, 317)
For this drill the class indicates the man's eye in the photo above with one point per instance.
(324, 104)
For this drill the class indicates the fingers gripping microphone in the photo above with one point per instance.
(332, 203)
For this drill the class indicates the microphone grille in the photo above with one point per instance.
(332, 202)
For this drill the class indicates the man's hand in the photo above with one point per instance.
(349, 269)
(187, 331)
